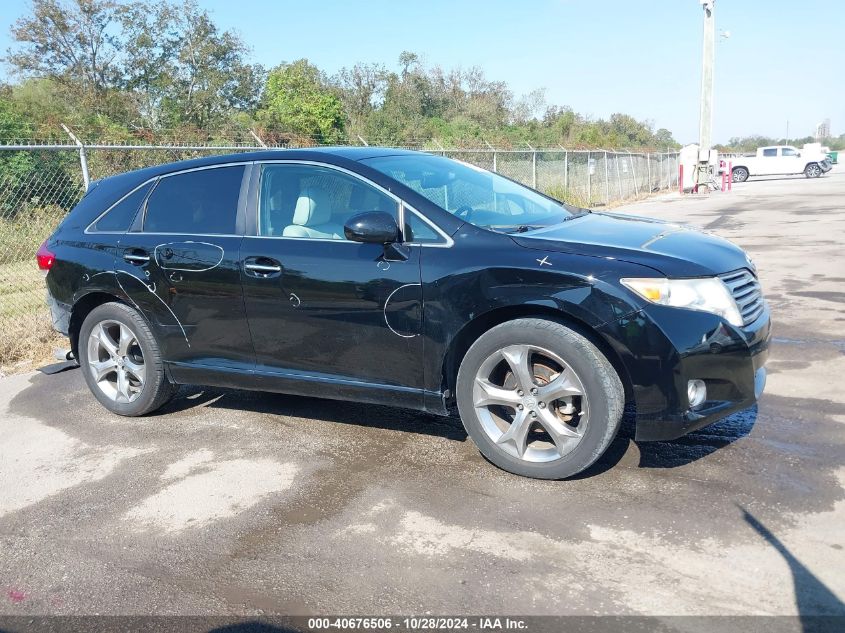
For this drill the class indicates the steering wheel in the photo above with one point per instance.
(464, 211)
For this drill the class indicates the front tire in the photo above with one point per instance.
(121, 361)
(812, 170)
(539, 399)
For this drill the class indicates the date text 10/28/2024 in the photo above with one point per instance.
(418, 623)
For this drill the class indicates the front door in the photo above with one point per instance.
(323, 310)
(790, 161)
(180, 267)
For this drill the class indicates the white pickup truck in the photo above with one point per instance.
(779, 160)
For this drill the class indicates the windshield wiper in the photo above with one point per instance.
(516, 228)
(580, 214)
(523, 228)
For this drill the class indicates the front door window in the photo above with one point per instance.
(308, 201)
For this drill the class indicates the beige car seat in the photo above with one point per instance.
(312, 217)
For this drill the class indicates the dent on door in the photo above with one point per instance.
(187, 256)
(190, 289)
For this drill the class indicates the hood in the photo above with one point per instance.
(675, 250)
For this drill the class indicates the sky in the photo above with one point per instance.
(784, 60)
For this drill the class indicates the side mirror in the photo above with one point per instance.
(372, 227)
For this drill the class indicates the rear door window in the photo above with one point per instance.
(203, 202)
(119, 218)
(770, 152)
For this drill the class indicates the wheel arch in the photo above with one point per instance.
(473, 330)
(81, 309)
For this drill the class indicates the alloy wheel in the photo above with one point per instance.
(740, 175)
(530, 403)
(116, 361)
(814, 171)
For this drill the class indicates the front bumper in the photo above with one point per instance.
(826, 165)
(663, 348)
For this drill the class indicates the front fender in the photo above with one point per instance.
(461, 301)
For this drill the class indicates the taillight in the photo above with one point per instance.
(45, 258)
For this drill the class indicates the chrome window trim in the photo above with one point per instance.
(244, 163)
(190, 234)
(447, 243)
(236, 163)
(90, 230)
(447, 240)
(143, 207)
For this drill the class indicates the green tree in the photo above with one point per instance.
(26, 177)
(183, 70)
(76, 44)
(361, 90)
(297, 99)
(663, 139)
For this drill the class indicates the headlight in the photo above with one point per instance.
(708, 295)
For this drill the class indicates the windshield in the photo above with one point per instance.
(473, 194)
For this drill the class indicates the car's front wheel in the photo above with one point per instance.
(539, 399)
(121, 361)
(812, 170)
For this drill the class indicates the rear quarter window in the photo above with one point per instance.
(195, 202)
(119, 217)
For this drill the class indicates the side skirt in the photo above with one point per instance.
(307, 384)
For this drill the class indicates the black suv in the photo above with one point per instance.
(406, 279)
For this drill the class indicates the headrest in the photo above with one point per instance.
(312, 208)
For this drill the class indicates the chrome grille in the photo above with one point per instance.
(746, 292)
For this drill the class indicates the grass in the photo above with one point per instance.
(570, 196)
(26, 334)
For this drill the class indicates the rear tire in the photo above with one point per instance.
(539, 399)
(812, 170)
(121, 361)
(739, 174)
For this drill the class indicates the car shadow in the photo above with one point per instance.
(754, 179)
(816, 604)
(667, 454)
(698, 444)
(341, 412)
(672, 453)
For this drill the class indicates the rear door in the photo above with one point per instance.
(180, 266)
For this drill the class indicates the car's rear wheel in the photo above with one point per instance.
(812, 170)
(539, 399)
(739, 174)
(121, 361)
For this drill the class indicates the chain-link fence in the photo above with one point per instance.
(584, 177)
(40, 184)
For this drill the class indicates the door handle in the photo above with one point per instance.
(136, 257)
(262, 267)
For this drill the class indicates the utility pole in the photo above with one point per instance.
(705, 124)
